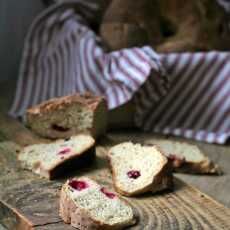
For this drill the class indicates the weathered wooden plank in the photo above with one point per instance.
(11, 129)
(2, 227)
(55, 226)
(29, 202)
(32, 202)
(217, 187)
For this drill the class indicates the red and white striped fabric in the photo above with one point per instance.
(197, 105)
(62, 55)
(225, 4)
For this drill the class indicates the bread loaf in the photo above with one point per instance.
(187, 157)
(54, 159)
(166, 25)
(138, 169)
(86, 206)
(66, 116)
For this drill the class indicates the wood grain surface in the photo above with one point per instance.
(29, 202)
(217, 187)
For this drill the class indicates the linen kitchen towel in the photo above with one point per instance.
(63, 55)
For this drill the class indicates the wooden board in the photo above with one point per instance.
(217, 187)
(29, 202)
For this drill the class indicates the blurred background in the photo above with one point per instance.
(15, 18)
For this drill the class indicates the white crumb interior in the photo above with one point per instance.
(48, 155)
(100, 207)
(127, 156)
(76, 115)
(74, 118)
(191, 153)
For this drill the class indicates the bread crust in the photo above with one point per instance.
(86, 99)
(71, 214)
(162, 181)
(84, 158)
(203, 167)
(180, 165)
(93, 103)
(80, 218)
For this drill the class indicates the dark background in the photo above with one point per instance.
(15, 18)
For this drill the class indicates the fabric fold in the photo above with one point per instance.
(63, 55)
(197, 105)
(186, 94)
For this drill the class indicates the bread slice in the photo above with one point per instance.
(187, 157)
(67, 116)
(137, 169)
(86, 205)
(51, 160)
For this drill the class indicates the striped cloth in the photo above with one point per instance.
(225, 4)
(197, 105)
(62, 55)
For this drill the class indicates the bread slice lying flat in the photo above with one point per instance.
(187, 157)
(86, 206)
(51, 160)
(137, 169)
(67, 116)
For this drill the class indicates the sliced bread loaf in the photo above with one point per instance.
(50, 160)
(86, 205)
(67, 116)
(187, 157)
(137, 169)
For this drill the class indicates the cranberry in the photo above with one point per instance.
(172, 157)
(176, 161)
(64, 151)
(78, 185)
(133, 174)
(60, 128)
(107, 193)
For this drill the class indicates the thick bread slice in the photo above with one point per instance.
(67, 116)
(187, 157)
(50, 160)
(137, 169)
(86, 205)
